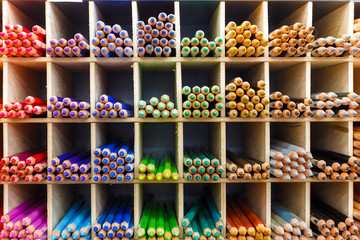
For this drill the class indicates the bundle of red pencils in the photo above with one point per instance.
(30, 166)
(333, 165)
(21, 42)
(242, 223)
(32, 107)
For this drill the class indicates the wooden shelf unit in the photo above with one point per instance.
(134, 78)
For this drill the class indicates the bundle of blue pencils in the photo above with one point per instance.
(112, 107)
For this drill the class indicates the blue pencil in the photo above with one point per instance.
(285, 215)
(130, 157)
(109, 148)
(127, 217)
(114, 153)
(59, 159)
(98, 150)
(85, 228)
(130, 231)
(65, 233)
(55, 99)
(110, 217)
(119, 216)
(79, 218)
(124, 150)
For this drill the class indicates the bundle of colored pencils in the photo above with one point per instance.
(75, 224)
(202, 98)
(356, 210)
(245, 167)
(111, 41)
(28, 220)
(356, 141)
(74, 165)
(244, 40)
(327, 221)
(282, 106)
(335, 104)
(331, 46)
(116, 220)
(242, 222)
(114, 161)
(199, 46)
(245, 101)
(357, 28)
(112, 107)
(201, 165)
(163, 108)
(158, 220)
(64, 107)
(289, 161)
(151, 168)
(203, 220)
(32, 107)
(29, 166)
(333, 165)
(286, 225)
(291, 41)
(157, 38)
(75, 47)
(21, 42)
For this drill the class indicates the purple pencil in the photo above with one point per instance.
(16, 211)
(35, 213)
(40, 230)
(15, 223)
(31, 228)
(76, 166)
(67, 163)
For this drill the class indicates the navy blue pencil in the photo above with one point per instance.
(110, 217)
(67, 163)
(102, 217)
(59, 159)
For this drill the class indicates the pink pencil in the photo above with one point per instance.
(32, 37)
(18, 28)
(16, 158)
(39, 30)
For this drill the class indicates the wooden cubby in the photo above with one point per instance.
(132, 79)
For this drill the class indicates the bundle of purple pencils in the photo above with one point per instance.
(26, 221)
(75, 47)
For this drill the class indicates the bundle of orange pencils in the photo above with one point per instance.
(242, 223)
(291, 41)
(282, 106)
(32, 107)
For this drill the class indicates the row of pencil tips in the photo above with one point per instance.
(64, 107)
(31, 107)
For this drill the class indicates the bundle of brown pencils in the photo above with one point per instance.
(327, 221)
(291, 41)
(334, 104)
(32, 107)
(356, 210)
(29, 166)
(242, 223)
(289, 161)
(245, 101)
(333, 165)
(202, 101)
(163, 108)
(331, 46)
(357, 28)
(282, 106)
(287, 225)
(245, 167)
(356, 141)
(201, 165)
(244, 40)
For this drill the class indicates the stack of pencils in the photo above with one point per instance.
(201, 165)
(74, 165)
(242, 223)
(157, 38)
(203, 220)
(111, 41)
(158, 220)
(356, 210)
(356, 141)
(163, 108)
(327, 221)
(202, 101)
(29, 166)
(333, 165)
(286, 225)
(289, 161)
(112, 107)
(334, 104)
(244, 40)
(284, 107)
(291, 41)
(116, 221)
(32, 107)
(246, 168)
(75, 47)
(151, 168)
(357, 28)
(75, 224)
(244, 101)
(26, 221)
(199, 46)
(331, 46)
(114, 161)
(65, 107)
(21, 42)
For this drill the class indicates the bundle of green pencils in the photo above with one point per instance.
(245, 101)
(202, 101)
(203, 220)
(151, 168)
(199, 46)
(201, 165)
(163, 108)
(158, 221)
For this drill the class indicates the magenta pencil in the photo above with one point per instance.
(16, 211)
(34, 214)
(32, 227)
(40, 230)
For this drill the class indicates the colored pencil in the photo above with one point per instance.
(111, 107)
(336, 47)
(201, 165)
(199, 46)
(151, 168)
(32, 107)
(156, 108)
(65, 107)
(75, 47)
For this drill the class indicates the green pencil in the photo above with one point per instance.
(204, 226)
(172, 221)
(144, 162)
(152, 223)
(145, 219)
(167, 168)
(160, 221)
(151, 165)
(159, 172)
(174, 173)
(167, 233)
